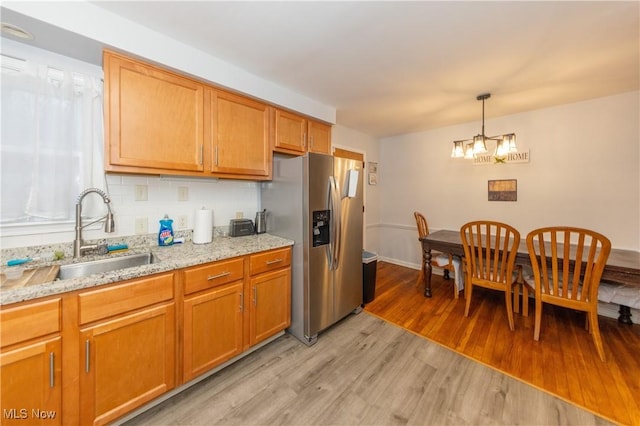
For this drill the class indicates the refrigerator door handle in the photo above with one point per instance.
(330, 246)
(336, 221)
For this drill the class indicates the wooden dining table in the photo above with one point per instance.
(623, 266)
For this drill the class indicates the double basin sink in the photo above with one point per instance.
(83, 269)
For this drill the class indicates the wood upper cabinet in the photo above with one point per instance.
(127, 347)
(31, 364)
(154, 119)
(239, 136)
(290, 132)
(319, 137)
(295, 134)
(213, 316)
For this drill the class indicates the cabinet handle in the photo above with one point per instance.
(52, 376)
(310, 141)
(213, 277)
(255, 296)
(216, 155)
(87, 351)
(271, 262)
(201, 154)
(241, 302)
(304, 140)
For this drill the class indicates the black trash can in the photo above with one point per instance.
(369, 264)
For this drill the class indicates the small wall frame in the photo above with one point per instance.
(503, 190)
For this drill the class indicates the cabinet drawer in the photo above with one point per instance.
(213, 274)
(29, 321)
(111, 301)
(270, 260)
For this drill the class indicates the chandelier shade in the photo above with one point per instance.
(469, 148)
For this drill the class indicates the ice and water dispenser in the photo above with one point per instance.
(321, 219)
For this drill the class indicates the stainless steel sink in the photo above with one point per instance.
(83, 269)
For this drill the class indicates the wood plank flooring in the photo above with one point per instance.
(364, 371)
(564, 361)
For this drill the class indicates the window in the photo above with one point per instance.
(52, 138)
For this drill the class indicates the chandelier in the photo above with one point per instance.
(469, 148)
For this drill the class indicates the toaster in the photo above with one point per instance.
(240, 227)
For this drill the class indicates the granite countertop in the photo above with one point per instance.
(166, 259)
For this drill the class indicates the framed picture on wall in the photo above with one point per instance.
(373, 179)
(503, 190)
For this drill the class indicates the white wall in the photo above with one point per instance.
(584, 171)
(346, 138)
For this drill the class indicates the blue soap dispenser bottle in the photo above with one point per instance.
(165, 235)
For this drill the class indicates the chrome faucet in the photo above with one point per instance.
(109, 224)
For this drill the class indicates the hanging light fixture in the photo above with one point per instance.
(478, 145)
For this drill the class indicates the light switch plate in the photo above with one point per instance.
(141, 193)
(183, 222)
(183, 193)
(142, 225)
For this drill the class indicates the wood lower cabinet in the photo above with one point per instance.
(31, 364)
(213, 316)
(270, 304)
(127, 359)
(270, 286)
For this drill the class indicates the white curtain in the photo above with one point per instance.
(52, 142)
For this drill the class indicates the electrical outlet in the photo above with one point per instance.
(142, 225)
(239, 215)
(183, 193)
(183, 222)
(141, 193)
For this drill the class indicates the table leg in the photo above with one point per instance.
(625, 315)
(427, 271)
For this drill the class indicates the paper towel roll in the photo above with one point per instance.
(203, 226)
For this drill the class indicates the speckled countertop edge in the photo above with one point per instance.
(166, 259)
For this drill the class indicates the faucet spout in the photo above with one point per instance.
(109, 225)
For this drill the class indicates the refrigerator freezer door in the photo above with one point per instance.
(348, 276)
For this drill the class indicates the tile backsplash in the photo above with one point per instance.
(137, 200)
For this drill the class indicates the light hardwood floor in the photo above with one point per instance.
(363, 371)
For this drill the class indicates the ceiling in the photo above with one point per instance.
(392, 67)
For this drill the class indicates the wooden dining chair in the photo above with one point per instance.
(567, 265)
(439, 260)
(490, 250)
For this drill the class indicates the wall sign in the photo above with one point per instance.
(514, 157)
(503, 190)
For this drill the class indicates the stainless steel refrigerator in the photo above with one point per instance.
(316, 201)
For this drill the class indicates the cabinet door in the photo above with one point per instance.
(240, 135)
(154, 118)
(290, 132)
(212, 328)
(127, 362)
(319, 137)
(31, 384)
(270, 304)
